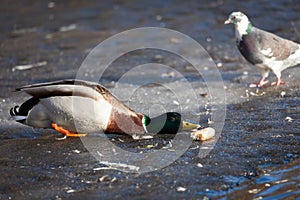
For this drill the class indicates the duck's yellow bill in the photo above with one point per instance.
(187, 126)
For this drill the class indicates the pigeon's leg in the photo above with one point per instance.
(262, 81)
(279, 81)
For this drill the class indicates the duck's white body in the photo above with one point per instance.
(89, 115)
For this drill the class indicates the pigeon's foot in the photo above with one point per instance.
(260, 83)
(278, 82)
(253, 85)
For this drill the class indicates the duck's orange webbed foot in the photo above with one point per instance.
(65, 132)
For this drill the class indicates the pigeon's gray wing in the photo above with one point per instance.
(273, 46)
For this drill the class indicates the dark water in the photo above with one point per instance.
(256, 155)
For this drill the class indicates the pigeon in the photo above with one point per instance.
(265, 50)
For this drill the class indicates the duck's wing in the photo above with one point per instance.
(69, 87)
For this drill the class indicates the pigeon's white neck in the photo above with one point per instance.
(243, 27)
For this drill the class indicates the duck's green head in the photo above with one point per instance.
(168, 123)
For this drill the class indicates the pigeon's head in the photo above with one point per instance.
(237, 18)
(241, 22)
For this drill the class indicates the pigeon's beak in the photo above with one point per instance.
(187, 126)
(228, 21)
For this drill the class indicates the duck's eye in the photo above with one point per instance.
(187, 124)
(172, 119)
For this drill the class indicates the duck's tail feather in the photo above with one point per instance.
(19, 113)
(20, 119)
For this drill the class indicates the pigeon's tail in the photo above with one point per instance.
(295, 57)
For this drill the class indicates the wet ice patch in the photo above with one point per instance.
(29, 66)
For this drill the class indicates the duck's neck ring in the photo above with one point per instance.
(145, 121)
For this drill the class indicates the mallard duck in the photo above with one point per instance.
(76, 108)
